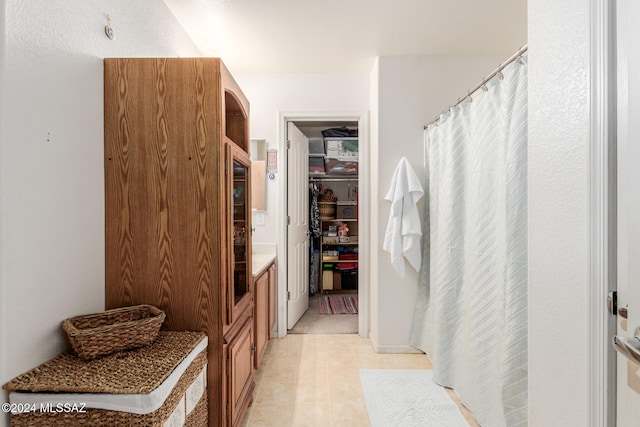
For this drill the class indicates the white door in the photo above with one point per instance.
(298, 229)
(628, 112)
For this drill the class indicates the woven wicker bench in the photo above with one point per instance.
(157, 385)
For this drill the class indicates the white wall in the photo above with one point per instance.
(558, 201)
(51, 160)
(411, 92)
(272, 94)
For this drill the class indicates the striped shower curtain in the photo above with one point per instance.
(471, 317)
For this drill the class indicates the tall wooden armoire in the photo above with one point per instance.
(177, 204)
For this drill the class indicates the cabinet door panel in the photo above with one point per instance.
(273, 302)
(262, 315)
(240, 354)
(239, 232)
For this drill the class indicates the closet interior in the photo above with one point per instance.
(333, 205)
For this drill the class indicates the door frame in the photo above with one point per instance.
(602, 215)
(364, 221)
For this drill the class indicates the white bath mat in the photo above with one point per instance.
(407, 398)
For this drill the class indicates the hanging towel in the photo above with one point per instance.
(402, 238)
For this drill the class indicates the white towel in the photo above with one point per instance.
(402, 238)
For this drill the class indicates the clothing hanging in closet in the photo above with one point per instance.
(315, 232)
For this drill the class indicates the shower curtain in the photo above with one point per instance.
(471, 314)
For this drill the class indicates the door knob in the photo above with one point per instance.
(629, 347)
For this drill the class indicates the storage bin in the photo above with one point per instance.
(349, 278)
(316, 165)
(340, 166)
(330, 256)
(327, 279)
(347, 210)
(347, 265)
(337, 280)
(158, 385)
(341, 147)
(316, 147)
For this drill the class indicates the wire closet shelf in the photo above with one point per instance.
(497, 72)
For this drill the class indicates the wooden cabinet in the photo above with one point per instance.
(177, 184)
(240, 372)
(273, 301)
(265, 309)
(238, 298)
(261, 286)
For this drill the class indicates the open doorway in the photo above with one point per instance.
(326, 290)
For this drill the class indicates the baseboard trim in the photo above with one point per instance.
(396, 349)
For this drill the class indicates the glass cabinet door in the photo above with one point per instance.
(240, 282)
(240, 214)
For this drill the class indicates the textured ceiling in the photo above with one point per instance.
(331, 36)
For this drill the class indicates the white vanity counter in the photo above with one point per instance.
(262, 255)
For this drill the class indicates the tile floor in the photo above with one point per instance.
(314, 380)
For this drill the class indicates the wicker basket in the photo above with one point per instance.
(327, 205)
(327, 196)
(327, 210)
(99, 334)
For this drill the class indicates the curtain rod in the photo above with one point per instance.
(501, 67)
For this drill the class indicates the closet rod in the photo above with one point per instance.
(501, 67)
(332, 179)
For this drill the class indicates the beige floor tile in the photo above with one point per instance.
(340, 368)
(277, 415)
(274, 375)
(275, 393)
(318, 374)
(372, 361)
(349, 390)
(312, 342)
(408, 361)
(311, 393)
(345, 374)
(314, 380)
(311, 415)
(349, 415)
(283, 357)
(313, 359)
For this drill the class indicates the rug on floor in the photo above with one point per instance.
(312, 322)
(338, 304)
(408, 398)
